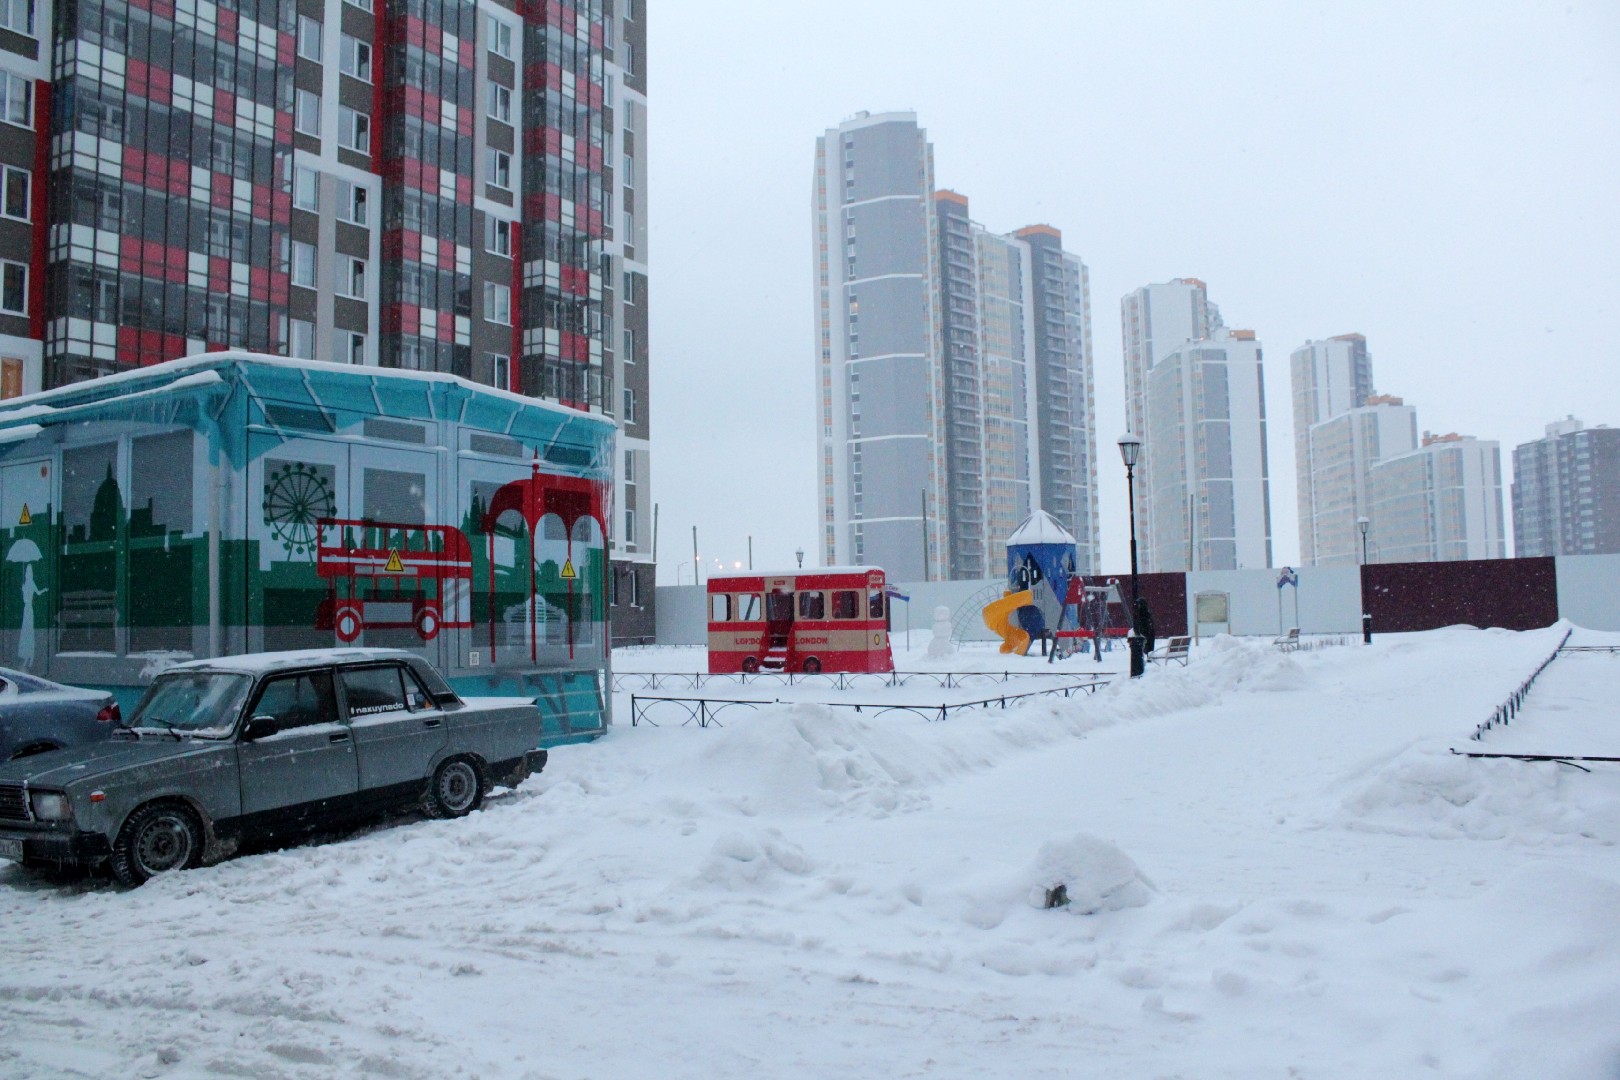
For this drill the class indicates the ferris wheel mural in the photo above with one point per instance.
(297, 496)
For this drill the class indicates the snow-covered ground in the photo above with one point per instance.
(1275, 865)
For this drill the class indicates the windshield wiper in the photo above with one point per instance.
(170, 728)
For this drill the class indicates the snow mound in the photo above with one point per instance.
(1096, 875)
(1232, 663)
(1429, 791)
(806, 758)
(742, 862)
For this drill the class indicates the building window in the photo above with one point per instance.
(17, 100)
(500, 37)
(354, 281)
(303, 264)
(17, 186)
(354, 58)
(363, 5)
(497, 236)
(630, 467)
(354, 129)
(498, 166)
(500, 103)
(498, 303)
(309, 38)
(349, 347)
(307, 112)
(500, 371)
(356, 207)
(13, 288)
(301, 339)
(629, 345)
(306, 189)
(629, 529)
(629, 405)
(18, 15)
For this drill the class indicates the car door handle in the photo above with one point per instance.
(338, 736)
(432, 721)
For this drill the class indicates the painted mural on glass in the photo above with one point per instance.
(236, 503)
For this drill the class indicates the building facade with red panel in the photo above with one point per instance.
(436, 185)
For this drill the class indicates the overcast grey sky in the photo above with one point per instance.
(1443, 178)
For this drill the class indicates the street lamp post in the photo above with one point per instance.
(799, 554)
(1366, 616)
(1130, 448)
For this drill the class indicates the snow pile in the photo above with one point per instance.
(1248, 664)
(1429, 791)
(740, 862)
(1094, 874)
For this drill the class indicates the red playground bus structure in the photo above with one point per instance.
(831, 619)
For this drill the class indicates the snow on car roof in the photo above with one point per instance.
(254, 663)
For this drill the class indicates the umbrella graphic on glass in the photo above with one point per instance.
(27, 552)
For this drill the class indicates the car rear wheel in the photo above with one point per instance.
(159, 838)
(457, 789)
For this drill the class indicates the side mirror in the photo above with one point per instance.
(260, 727)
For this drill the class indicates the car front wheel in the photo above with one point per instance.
(457, 789)
(159, 838)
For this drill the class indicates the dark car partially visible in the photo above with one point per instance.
(37, 715)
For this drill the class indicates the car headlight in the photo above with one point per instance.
(50, 806)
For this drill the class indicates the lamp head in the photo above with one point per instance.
(1130, 448)
(1362, 523)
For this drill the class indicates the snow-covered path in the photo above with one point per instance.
(1287, 874)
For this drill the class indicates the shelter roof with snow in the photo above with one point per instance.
(1040, 528)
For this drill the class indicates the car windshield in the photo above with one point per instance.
(195, 702)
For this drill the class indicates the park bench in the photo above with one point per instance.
(1287, 642)
(1173, 649)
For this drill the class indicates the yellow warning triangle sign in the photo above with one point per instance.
(394, 565)
(568, 570)
(26, 518)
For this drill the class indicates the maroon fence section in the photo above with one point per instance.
(1166, 596)
(1517, 594)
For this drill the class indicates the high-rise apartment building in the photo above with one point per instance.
(1329, 378)
(438, 185)
(1208, 497)
(954, 366)
(1065, 435)
(1442, 502)
(1012, 480)
(1566, 491)
(880, 386)
(1154, 321)
(960, 355)
(1340, 452)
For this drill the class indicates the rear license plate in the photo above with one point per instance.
(11, 849)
